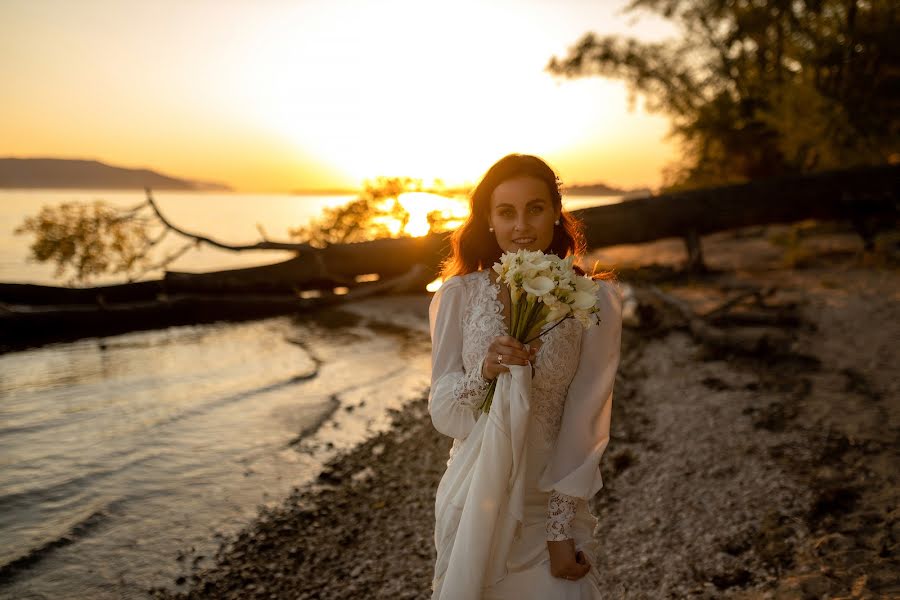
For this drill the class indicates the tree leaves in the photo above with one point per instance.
(89, 238)
(757, 89)
(377, 213)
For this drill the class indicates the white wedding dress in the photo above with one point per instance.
(522, 474)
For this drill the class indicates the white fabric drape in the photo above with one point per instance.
(478, 508)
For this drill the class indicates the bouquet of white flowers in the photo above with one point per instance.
(543, 288)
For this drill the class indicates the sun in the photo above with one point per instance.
(420, 204)
(392, 111)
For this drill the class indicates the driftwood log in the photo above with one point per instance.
(744, 324)
(867, 197)
(23, 326)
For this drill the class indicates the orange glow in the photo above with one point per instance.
(420, 204)
(277, 97)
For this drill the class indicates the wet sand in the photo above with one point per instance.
(728, 475)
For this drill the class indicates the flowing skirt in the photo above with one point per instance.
(490, 516)
(528, 563)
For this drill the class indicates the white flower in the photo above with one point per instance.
(538, 286)
(550, 300)
(583, 300)
(586, 284)
(557, 312)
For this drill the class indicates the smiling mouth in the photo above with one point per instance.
(523, 240)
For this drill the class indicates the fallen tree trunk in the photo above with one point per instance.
(23, 326)
(866, 197)
(336, 265)
(318, 269)
(764, 336)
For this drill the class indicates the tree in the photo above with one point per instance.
(377, 213)
(90, 238)
(758, 88)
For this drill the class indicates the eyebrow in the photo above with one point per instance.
(530, 202)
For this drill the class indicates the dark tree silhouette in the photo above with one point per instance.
(757, 88)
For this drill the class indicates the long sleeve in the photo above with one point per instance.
(560, 514)
(455, 394)
(574, 465)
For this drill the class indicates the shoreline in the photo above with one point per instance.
(354, 530)
(727, 477)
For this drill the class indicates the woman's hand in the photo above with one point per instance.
(565, 563)
(511, 351)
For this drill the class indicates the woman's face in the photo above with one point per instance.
(522, 214)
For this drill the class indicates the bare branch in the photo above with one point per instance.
(264, 245)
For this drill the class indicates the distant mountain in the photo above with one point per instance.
(601, 189)
(89, 174)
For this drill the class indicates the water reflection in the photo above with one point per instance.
(118, 452)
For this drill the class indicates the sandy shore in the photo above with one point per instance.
(728, 476)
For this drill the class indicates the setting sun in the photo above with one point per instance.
(317, 95)
(420, 204)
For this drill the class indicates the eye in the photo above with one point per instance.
(537, 209)
(505, 212)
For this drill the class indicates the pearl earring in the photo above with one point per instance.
(491, 229)
(556, 222)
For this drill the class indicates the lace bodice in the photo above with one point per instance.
(555, 363)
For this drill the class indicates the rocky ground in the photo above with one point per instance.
(768, 474)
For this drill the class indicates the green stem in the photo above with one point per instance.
(533, 318)
(523, 312)
(548, 331)
(489, 396)
(516, 324)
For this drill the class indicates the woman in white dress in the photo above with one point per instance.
(533, 538)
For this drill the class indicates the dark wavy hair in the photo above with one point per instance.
(474, 247)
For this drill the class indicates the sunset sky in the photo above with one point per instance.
(276, 95)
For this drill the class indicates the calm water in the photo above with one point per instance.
(118, 452)
(115, 456)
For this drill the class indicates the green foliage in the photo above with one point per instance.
(757, 88)
(89, 238)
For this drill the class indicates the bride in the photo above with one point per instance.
(512, 518)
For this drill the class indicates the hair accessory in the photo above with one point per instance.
(499, 358)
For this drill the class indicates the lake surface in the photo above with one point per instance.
(119, 452)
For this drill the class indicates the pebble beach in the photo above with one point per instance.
(727, 476)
